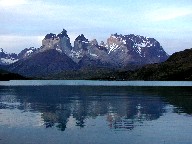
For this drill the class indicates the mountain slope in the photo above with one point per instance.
(177, 67)
(43, 63)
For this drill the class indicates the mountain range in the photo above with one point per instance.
(57, 55)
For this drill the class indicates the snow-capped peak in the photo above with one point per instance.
(137, 42)
(27, 52)
(6, 58)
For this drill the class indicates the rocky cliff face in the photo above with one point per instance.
(60, 42)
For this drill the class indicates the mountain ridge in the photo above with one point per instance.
(120, 52)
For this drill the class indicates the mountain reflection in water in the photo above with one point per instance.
(124, 108)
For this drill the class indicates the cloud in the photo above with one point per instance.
(19, 42)
(168, 13)
(8, 3)
(30, 16)
(50, 12)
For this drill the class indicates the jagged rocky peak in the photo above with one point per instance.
(82, 38)
(80, 49)
(115, 38)
(81, 43)
(136, 41)
(60, 42)
(60, 35)
(50, 36)
(94, 42)
(64, 44)
(142, 41)
(63, 34)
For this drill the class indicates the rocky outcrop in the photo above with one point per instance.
(60, 42)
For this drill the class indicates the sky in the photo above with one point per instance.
(24, 23)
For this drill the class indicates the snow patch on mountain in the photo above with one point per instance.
(9, 58)
(76, 54)
(113, 47)
(59, 50)
(6, 58)
(141, 44)
(7, 61)
(29, 51)
(94, 55)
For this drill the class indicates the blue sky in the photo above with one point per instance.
(24, 23)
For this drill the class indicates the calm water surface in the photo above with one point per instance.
(60, 114)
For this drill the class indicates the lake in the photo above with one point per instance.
(96, 112)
